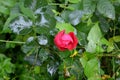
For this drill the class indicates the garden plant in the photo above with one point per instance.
(59, 39)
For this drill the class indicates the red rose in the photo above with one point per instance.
(65, 41)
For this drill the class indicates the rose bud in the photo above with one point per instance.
(65, 41)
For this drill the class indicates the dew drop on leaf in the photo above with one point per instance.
(41, 20)
(52, 68)
(53, 32)
(32, 60)
(42, 40)
(19, 24)
(30, 39)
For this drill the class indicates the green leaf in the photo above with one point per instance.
(44, 23)
(25, 31)
(104, 24)
(5, 6)
(94, 37)
(76, 70)
(82, 38)
(92, 68)
(13, 14)
(6, 66)
(111, 43)
(65, 15)
(8, 3)
(89, 6)
(83, 61)
(116, 38)
(75, 17)
(43, 54)
(27, 12)
(37, 69)
(106, 8)
(65, 54)
(4, 10)
(41, 3)
(65, 26)
(74, 1)
(76, 6)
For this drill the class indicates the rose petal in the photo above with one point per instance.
(57, 39)
(75, 40)
(70, 46)
(67, 37)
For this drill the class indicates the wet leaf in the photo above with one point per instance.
(13, 14)
(89, 6)
(52, 67)
(4, 10)
(94, 37)
(6, 5)
(43, 54)
(26, 11)
(73, 1)
(91, 70)
(42, 40)
(75, 17)
(106, 8)
(37, 69)
(18, 25)
(65, 26)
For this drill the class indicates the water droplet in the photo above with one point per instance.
(52, 68)
(59, 19)
(20, 24)
(33, 4)
(42, 40)
(39, 11)
(30, 39)
(118, 79)
(43, 55)
(41, 20)
(32, 60)
(117, 62)
(119, 19)
(53, 32)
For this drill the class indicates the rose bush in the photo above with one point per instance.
(30, 30)
(65, 41)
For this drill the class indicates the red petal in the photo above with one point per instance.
(57, 40)
(75, 40)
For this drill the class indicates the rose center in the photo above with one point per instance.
(66, 39)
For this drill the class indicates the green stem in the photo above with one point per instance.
(16, 42)
(102, 55)
(113, 63)
(54, 4)
(107, 55)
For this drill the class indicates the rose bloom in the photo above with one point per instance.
(65, 41)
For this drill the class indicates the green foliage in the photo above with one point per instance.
(6, 5)
(6, 67)
(89, 6)
(28, 28)
(106, 8)
(65, 26)
(94, 37)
